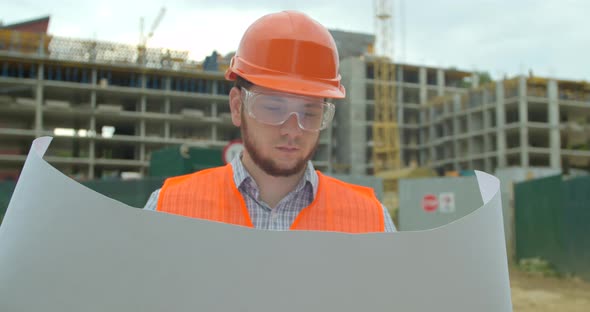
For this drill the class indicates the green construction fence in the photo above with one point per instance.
(552, 222)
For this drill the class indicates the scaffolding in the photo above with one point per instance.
(92, 51)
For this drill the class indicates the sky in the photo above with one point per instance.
(550, 38)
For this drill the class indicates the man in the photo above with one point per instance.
(285, 68)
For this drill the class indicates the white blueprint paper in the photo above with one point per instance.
(64, 247)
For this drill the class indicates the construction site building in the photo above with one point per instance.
(414, 85)
(523, 122)
(449, 123)
(108, 106)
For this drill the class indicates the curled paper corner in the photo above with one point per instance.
(40, 145)
(488, 184)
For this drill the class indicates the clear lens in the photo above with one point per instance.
(275, 108)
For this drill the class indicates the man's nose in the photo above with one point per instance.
(291, 125)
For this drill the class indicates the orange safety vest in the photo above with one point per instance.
(211, 194)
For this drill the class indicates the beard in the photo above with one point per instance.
(267, 164)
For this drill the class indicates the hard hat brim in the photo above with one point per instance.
(292, 85)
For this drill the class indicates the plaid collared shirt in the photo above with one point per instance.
(282, 216)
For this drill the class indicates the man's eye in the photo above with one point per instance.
(272, 108)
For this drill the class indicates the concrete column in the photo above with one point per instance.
(39, 102)
(341, 133)
(358, 119)
(143, 81)
(486, 126)
(486, 149)
(142, 132)
(487, 165)
(423, 97)
(214, 126)
(214, 111)
(470, 148)
(474, 80)
(487, 144)
(554, 133)
(456, 131)
(432, 134)
(423, 86)
(422, 134)
(485, 97)
(351, 133)
(487, 119)
(400, 111)
(142, 109)
(440, 82)
(523, 122)
(500, 123)
(92, 142)
(214, 86)
(41, 49)
(167, 122)
(167, 108)
(352, 119)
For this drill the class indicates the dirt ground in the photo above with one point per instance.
(543, 294)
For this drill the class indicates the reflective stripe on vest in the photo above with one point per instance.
(211, 194)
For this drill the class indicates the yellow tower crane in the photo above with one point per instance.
(386, 147)
(386, 150)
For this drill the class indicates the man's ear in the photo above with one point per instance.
(235, 105)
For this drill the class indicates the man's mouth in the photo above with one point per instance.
(286, 148)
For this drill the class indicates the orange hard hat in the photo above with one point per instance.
(289, 52)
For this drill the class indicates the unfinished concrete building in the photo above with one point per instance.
(109, 105)
(524, 122)
(415, 85)
(109, 108)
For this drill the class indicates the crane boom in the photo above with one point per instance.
(142, 46)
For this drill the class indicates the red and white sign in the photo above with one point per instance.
(429, 203)
(231, 150)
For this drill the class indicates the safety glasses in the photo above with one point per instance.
(274, 108)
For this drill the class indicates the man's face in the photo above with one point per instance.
(281, 150)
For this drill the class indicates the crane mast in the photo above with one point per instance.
(386, 149)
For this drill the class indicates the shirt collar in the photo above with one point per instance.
(241, 175)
